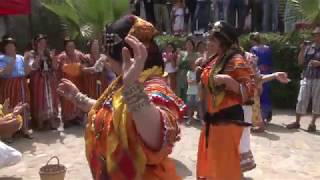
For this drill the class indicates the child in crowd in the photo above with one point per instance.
(177, 18)
(170, 61)
(192, 92)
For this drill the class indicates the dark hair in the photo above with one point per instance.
(7, 39)
(172, 45)
(255, 36)
(189, 39)
(121, 29)
(225, 33)
(66, 41)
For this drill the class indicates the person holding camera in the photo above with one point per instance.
(309, 57)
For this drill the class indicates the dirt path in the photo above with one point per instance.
(280, 154)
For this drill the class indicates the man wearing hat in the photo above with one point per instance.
(309, 57)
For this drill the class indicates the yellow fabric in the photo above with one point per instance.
(119, 121)
(19, 118)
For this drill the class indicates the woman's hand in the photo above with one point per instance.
(132, 67)
(282, 77)
(18, 109)
(8, 127)
(314, 63)
(67, 89)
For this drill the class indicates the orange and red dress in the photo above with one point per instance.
(114, 148)
(218, 151)
(44, 98)
(14, 86)
(69, 68)
(95, 83)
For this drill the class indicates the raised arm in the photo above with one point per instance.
(147, 116)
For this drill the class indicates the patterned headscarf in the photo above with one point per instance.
(133, 25)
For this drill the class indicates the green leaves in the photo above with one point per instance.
(87, 18)
(307, 10)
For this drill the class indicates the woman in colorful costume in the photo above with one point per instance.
(70, 68)
(43, 85)
(252, 111)
(14, 69)
(264, 54)
(132, 127)
(227, 82)
(96, 76)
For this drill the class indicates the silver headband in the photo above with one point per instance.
(110, 40)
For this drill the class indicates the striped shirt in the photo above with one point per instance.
(312, 53)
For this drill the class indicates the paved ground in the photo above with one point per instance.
(280, 154)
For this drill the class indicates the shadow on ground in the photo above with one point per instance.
(270, 136)
(276, 128)
(10, 178)
(52, 137)
(182, 169)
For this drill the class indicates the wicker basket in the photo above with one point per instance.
(52, 171)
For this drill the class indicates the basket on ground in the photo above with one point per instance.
(52, 171)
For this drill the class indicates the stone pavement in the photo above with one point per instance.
(280, 154)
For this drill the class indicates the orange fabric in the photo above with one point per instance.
(69, 68)
(16, 89)
(94, 84)
(159, 166)
(239, 70)
(221, 160)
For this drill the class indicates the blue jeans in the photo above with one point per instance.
(201, 16)
(221, 9)
(237, 9)
(270, 15)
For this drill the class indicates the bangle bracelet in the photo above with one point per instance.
(81, 98)
(135, 97)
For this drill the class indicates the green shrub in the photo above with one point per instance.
(285, 49)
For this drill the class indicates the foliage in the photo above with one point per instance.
(165, 39)
(87, 18)
(308, 10)
(285, 50)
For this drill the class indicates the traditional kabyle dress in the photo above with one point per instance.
(114, 148)
(218, 151)
(14, 86)
(44, 99)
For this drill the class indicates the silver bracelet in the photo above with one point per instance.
(135, 97)
(81, 98)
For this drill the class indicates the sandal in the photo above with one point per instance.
(293, 125)
(312, 128)
(258, 129)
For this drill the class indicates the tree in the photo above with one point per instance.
(308, 11)
(87, 18)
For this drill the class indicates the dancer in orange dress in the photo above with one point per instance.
(227, 82)
(97, 76)
(132, 127)
(69, 67)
